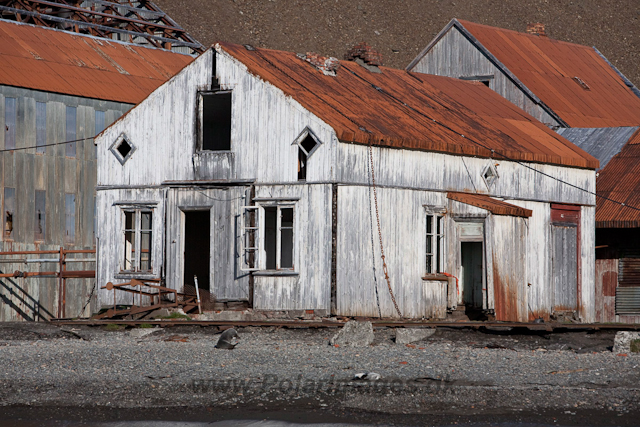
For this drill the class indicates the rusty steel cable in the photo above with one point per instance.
(384, 262)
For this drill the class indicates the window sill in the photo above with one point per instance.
(276, 273)
(439, 277)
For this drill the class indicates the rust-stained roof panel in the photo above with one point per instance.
(56, 61)
(400, 109)
(548, 67)
(617, 184)
(496, 207)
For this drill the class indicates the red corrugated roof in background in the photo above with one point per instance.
(548, 67)
(400, 109)
(620, 182)
(56, 61)
(496, 207)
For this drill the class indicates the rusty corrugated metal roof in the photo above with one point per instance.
(56, 61)
(496, 207)
(553, 70)
(620, 182)
(396, 108)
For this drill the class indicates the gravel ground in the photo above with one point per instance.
(455, 375)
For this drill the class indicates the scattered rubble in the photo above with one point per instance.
(409, 335)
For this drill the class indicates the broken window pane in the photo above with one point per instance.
(40, 219)
(250, 238)
(9, 123)
(216, 121)
(70, 149)
(41, 127)
(302, 165)
(9, 210)
(70, 217)
(434, 244)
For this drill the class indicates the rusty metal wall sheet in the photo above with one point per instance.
(628, 300)
(606, 284)
(56, 61)
(620, 182)
(421, 111)
(553, 70)
(602, 143)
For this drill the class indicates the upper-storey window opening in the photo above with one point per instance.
(307, 143)
(122, 148)
(215, 121)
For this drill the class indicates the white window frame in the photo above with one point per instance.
(434, 260)
(137, 230)
(258, 227)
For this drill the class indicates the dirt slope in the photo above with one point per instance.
(400, 29)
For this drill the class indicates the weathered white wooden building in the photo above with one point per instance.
(252, 169)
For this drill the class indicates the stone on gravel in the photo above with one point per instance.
(409, 335)
(622, 341)
(354, 334)
(143, 332)
(157, 314)
(228, 340)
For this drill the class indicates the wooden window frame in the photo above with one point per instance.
(435, 238)
(254, 253)
(137, 230)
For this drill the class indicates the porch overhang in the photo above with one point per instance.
(494, 206)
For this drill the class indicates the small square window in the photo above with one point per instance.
(122, 148)
(490, 174)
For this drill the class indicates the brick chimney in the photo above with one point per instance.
(327, 64)
(536, 29)
(364, 52)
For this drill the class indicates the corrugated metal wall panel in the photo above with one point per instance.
(628, 300)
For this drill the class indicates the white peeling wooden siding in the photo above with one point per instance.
(403, 226)
(455, 56)
(443, 172)
(110, 235)
(311, 288)
(588, 258)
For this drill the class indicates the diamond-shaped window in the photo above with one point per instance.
(307, 143)
(122, 148)
(490, 174)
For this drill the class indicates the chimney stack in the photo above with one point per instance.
(366, 53)
(536, 29)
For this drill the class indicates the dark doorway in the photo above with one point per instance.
(197, 230)
(472, 277)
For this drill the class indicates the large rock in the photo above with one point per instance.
(623, 340)
(354, 334)
(409, 335)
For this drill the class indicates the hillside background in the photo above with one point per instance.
(401, 29)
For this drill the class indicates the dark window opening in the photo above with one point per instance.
(270, 240)
(41, 219)
(124, 148)
(216, 121)
(306, 147)
(485, 82)
(278, 239)
(302, 165)
(9, 210)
